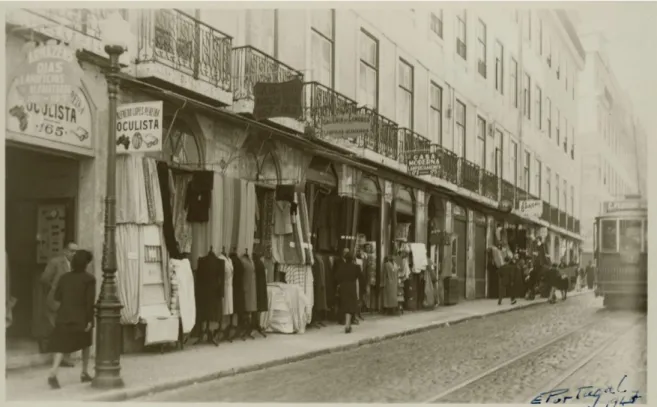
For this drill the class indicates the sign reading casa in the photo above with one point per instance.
(62, 124)
(139, 127)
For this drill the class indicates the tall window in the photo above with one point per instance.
(514, 82)
(461, 39)
(499, 137)
(539, 107)
(499, 67)
(527, 26)
(556, 184)
(558, 123)
(548, 50)
(526, 172)
(368, 88)
(548, 107)
(323, 22)
(527, 97)
(490, 150)
(482, 41)
(514, 162)
(481, 142)
(548, 184)
(572, 200)
(436, 23)
(405, 99)
(565, 135)
(565, 195)
(540, 37)
(565, 72)
(459, 136)
(538, 182)
(436, 114)
(266, 22)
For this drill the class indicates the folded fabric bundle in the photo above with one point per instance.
(161, 329)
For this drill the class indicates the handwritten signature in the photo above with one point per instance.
(618, 395)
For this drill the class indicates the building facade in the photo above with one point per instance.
(613, 139)
(489, 93)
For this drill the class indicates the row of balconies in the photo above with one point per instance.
(172, 41)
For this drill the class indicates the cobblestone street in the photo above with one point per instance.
(425, 366)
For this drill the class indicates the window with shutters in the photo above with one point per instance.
(368, 89)
(436, 114)
(405, 99)
(322, 43)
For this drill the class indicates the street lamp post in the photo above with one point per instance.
(108, 307)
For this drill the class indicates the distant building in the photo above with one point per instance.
(612, 138)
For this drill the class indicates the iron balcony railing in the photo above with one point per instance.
(470, 175)
(409, 142)
(82, 20)
(449, 164)
(250, 66)
(489, 185)
(546, 212)
(576, 226)
(571, 223)
(563, 220)
(521, 194)
(323, 103)
(508, 191)
(177, 40)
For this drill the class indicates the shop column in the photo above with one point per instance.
(470, 284)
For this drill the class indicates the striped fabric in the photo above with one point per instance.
(183, 229)
(302, 276)
(129, 279)
(305, 229)
(131, 201)
(153, 188)
(232, 206)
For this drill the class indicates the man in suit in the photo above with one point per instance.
(56, 268)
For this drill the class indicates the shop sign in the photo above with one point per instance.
(531, 207)
(423, 163)
(67, 122)
(278, 100)
(346, 126)
(49, 75)
(505, 206)
(616, 206)
(139, 127)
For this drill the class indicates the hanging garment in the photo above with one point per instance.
(167, 211)
(304, 223)
(216, 215)
(232, 207)
(319, 284)
(186, 296)
(267, 223)
(270, 267)
(249, 281)
(239, 299)
(200, 243)
(282, 218)
(199, 196)
(261, 283)
(161, 330)
(153, 192)
(429, 291)
(329, 280)
(183, 229)
(247, 213)
(419, 253)
(401, 231)
(210, 280)
(131, 201)
(285, 193)
(228, 285)
(129, 279)
(389, 283)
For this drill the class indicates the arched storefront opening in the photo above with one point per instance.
(265, 172)
(323, 203)
(181, 147)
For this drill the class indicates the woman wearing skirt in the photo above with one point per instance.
(76, 294)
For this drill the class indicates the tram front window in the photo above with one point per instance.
(609, 233)
(630, 235)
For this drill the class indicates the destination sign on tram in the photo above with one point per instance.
(629, 205)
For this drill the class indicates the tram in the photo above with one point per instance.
(621, 252)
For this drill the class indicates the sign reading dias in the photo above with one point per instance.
(346, 126)
(531, 207)
(50, 74)
(423, 163)
(278, 100)
(139, 127)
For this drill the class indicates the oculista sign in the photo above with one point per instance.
(139, 127)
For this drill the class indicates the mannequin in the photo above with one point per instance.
(210, 284)
(262, 299)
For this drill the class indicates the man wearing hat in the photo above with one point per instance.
(56, 268)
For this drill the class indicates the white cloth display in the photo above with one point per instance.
(161, 329)
(419, 253)
(287, 303)
(186, 297)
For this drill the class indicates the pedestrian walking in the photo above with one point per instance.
(55, 269)
(504, 272)
(590, 275)
(580, 279)
(76, 294)
(347, 276)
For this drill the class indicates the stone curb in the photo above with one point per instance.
(128, 394)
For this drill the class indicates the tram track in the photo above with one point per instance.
(455, 393)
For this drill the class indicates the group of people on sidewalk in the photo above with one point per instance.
(531, 275)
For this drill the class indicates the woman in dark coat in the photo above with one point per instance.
(76, 294)
(347, 274)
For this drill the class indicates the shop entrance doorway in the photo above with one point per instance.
(41, 193)
(460, 230)
(480, 256)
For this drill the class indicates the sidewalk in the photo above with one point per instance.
(155, 372)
